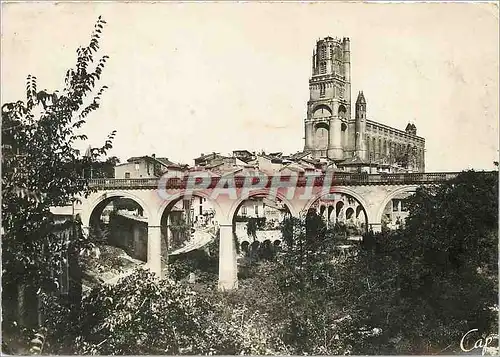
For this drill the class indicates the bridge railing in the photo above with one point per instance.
(339, 178)
(113, 182)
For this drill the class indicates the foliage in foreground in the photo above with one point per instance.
(41, 168)
(140, 315)
(428, 284)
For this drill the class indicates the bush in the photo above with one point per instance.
(427, 284)
(141, 315)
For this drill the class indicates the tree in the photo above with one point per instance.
(103, 169)
(406, 156)
(308, 280)
(41, 168)
(427, 284)
(411, 291)
(252, 228)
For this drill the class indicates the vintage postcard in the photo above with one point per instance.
(268, 178)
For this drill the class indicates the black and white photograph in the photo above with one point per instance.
(250, 178)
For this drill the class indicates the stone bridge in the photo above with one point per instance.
(158, 196)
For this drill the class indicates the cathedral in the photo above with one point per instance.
(351, 140)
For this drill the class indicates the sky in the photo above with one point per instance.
(192, 78)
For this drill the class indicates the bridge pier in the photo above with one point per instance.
(228, 269)
(154, 250)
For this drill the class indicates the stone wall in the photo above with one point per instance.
(130, 235)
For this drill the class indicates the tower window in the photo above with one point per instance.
(322, 68)
(322, 90)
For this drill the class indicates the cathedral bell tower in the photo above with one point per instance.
(329, 105)
(360, 127)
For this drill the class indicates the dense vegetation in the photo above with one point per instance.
(42, 168)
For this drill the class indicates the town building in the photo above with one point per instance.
(147, 167)
(353, 141)
(242, 161)
(217, 162)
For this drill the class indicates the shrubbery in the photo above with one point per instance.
(428, 284)
(141, 315)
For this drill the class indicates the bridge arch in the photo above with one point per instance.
(390, 196)
(338, 189)
(89, 208)
(167, 205)
(259, 193)
(170, 215)
(128, 231)
(344, 211)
